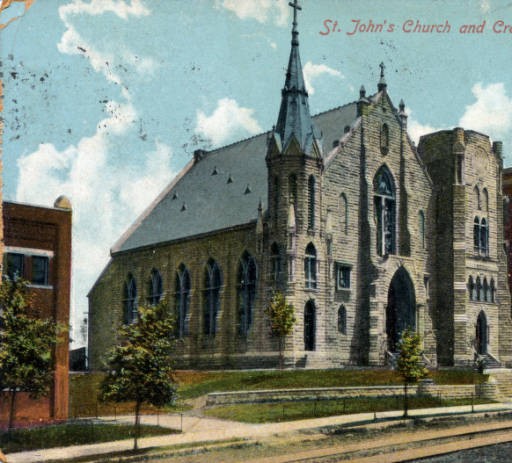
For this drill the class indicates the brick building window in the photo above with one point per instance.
(478, 289)
(343, 276)
(492, 288)
(385, 215)
(212, 284)
(40, 270)
(485, 200)
(342, 320)
(476, 198)
(471, 289)
(15, 265)
(310, 326)
(311, 205)
(130, 300)
(155, 287)
(247, 275)
(310, 266)
(182, 300)
(275, 263)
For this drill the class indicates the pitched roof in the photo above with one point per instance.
(221, 190)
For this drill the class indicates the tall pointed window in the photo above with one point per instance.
(384, 139)
(421, 226)
(130, 300)
(478, 289)
(471, 289)
(486, 291)
(492, 291)
(342, 320)
(384, 201)
(476, 198)
(343, 213)
(310, 266)
(155, 287)
(212, 284)
(275, 263)
(292, 190)
(476, 234)
(246, 292)
(484, 238)
(311, 206)
(182, 299)
(485, 200)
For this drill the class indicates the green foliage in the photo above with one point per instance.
(63, 435)
(410, 364)
(282, 318)
(281, 315)
(26, 344)
(140, 369)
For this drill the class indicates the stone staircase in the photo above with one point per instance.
(503, 378)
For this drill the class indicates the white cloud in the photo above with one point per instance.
(96, 7)
(312, 71)
(260, 10)
(491, 113)
(226, 121)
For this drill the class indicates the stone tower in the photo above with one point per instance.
(469, 288)
(295, 223)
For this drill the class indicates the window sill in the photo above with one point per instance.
(344, 290)
(36, 286)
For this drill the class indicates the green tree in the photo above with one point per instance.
(26, 344)
(282, 318)
(140, 368)
(409, 364)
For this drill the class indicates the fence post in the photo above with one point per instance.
(181, 422)
(473, 403)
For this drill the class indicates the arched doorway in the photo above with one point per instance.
(481, 334)
(401, 308)
(309, 326)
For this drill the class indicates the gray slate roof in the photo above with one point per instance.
(198, 202)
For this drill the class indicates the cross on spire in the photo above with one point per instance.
(382, 82)
(295, 5)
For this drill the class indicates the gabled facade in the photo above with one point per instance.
(342, 214)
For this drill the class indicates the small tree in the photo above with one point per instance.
(282, 318)
(409, 363)
(26, 345)
(140, 369)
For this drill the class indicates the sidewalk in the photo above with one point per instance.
(203, 429)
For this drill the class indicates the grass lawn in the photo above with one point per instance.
(62, 435)
(84, 387)
(274, 412)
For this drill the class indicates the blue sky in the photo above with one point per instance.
(106, 100)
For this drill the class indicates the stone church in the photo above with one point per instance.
(365, 234)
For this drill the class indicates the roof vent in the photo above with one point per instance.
(175, 195)
(335, 143)
(347, 129)
(215, 171)
(230, 179)
(184, 207)
(247, 189)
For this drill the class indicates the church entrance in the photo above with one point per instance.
(481, 334)
(309, 326)
(401, 308)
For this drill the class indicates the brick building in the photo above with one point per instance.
(363, 232)
(37, 246)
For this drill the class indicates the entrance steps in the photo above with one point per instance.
(503, 378)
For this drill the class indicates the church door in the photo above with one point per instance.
(309, 326)
(401, 309)
(481, 334)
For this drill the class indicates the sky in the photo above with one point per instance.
(106, 100)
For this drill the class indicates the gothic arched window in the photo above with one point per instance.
(311, 205)
(476, 198)
(384, 201)
(486, 291)
(485, 200)
(421, 226)
(130, 300)
(155, 287)
(292, 190)
(492, 291)
(476, 234)
(484, 238)
(247, 275)
(344, 213)
(310, 266)
(478, 289)
(182, 298)
(471, 289)
(342, 320)
(384, 139)
(275, 262)
(212, 284)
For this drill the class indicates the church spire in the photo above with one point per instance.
(294, 120)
